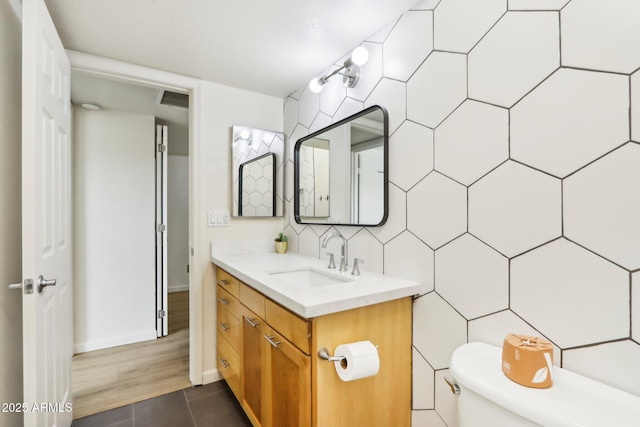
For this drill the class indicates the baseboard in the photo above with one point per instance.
(114, 342)
(178, 288)
(211, 376)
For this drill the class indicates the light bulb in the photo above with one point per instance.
(316, 85)
(245, 134)
(360, 55)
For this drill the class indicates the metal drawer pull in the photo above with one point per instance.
(224, 301)
(224, 282)
(252, 321)
(224, 362)
(455, 388)
(271, 340)
(224, 326)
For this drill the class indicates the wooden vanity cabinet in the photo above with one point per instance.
(281, 382)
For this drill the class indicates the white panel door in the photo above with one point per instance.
(370, 185)
(46, 220)
(321, 175)
(162, 157)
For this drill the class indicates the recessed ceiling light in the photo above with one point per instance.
(90, 106)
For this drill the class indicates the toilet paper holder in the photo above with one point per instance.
(323, 353)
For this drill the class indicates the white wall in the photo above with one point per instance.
(223, 107)
(10, 235)
(114, 264)
(178, 222)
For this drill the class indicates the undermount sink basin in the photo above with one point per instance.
(309, 277)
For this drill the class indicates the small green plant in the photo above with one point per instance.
(281, 237)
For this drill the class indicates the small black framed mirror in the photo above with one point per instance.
(257, 186)
(341, 172)
(257, 171)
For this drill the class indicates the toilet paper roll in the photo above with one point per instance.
(360, 360)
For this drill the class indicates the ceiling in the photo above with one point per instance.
(117, 95)
(271, 47)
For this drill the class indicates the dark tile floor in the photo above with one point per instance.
(211, 405)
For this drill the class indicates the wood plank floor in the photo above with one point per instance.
(118, 376)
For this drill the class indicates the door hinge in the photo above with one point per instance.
(162, 148)
(161, 228)
(161, 314)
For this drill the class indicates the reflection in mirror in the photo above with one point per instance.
(257, 186)
(257, 172)
(314, 178)
(340, 172)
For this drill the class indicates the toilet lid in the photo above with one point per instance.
(572, 401)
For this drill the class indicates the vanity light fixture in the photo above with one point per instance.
(350, 70)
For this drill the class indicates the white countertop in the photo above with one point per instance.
(369, 288)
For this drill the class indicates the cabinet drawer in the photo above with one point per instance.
(229, 327)
(294, 328)
(228, 282)
(229, 365)
(252, 299)
(228, 302)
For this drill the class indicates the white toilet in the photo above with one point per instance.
(488, 398)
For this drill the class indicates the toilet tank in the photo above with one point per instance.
(488, 398)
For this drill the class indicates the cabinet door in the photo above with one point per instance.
(288, 383)
(253, 330)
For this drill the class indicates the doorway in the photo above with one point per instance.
(115, 263)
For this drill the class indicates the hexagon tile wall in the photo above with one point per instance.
(515, 180)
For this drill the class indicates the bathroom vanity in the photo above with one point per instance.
(274, 314)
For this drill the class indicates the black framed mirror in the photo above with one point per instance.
(257, 186)
(341, 172)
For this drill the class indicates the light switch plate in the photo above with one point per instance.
(218, 218)
(224, 216)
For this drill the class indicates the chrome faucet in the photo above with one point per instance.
(343, 248)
